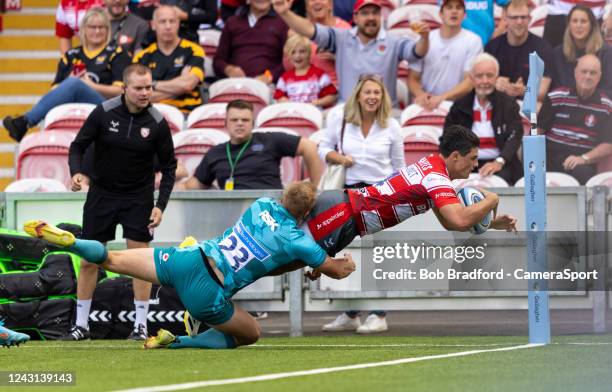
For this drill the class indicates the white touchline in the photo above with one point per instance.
(276, 376)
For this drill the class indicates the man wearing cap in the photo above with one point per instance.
(443, 73)
(366, 48)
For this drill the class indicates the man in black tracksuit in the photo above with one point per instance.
(128, 133)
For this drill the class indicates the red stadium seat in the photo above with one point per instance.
(67, 117)
(211, 115)
(209, 40)
(302, 118)
(290, 167)
(36, 185)
(248, 89)
(417, 115)
(553, 179)
(419, 142)
(45, 155)
(173, 116)
(403, 16)
(191, 145)
(476, 180)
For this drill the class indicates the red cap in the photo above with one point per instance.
(445, 2)
(359, 4)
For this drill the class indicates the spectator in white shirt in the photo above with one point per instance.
(372, 146)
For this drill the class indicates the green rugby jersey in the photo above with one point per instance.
(265, 238)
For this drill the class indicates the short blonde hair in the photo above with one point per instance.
(95, 12)
(295, 41)
(352, 108)
(299, 198)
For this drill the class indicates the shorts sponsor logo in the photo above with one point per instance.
(163, 256)
(329, 220)
(145, 132)
(268, 220)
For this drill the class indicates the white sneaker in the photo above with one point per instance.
(342, 323)
(373, 324)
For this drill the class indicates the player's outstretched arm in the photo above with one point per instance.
(338, 268)
(459, 218)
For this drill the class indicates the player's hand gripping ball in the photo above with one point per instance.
(469, 196)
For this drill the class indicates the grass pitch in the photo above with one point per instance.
(571, 363)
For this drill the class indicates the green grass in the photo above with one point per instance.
(112, 364)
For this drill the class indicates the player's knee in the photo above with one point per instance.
(252, 336)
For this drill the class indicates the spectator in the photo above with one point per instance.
(320, 11)
(128, 134)
(443, 73)
(582, 36)
(556, 19)
(577, 122)
(494, 117)
(371, 149)
(480, 18)
(127, 30)
(68, 19)
(251, 160)
(305, 82)
(177, 64)
(90, 73)
(512, 51)
(252, 43)
(364, 49)
(344, 9)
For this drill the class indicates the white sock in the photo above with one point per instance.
(142, 309)
(82, 319)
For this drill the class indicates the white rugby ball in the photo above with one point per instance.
(469, 196)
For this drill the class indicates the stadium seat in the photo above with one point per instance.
(417, 115)
(45, 155)
(173, 116)
(67, 117)
(211, 115)
(303, 118)
(36, 185)
(209, 40)
(290, 167)
(419, 142)
(403, 16)
(603, 179)
(476, 180)
(538, 18)
(401, 91)
(332, 112)
(248, 89)
(553, 179)
(191, 145)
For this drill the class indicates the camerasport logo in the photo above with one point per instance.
(145, 132)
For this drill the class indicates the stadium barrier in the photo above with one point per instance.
(207, 214)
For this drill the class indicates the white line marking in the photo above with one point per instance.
(376, 345)
(19, 99)
(276, 376)
(28, 77)
(31, 54)
(34, 11)
(29, 32)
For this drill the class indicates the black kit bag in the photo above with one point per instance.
(55, 277)
(44, 319)
(112, 310)
(24, 247)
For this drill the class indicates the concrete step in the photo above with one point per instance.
(40, 3)
(28, 20)
(29, 43)
(24, 87)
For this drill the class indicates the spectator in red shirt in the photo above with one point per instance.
(68, 19)
(251, 44)
(305, 82)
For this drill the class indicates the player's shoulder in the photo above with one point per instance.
(194, 48)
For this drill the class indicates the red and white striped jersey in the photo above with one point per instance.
(69, 15)
(408, 192)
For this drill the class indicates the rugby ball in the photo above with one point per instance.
(468, 196)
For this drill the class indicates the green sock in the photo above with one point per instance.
(91, 250)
